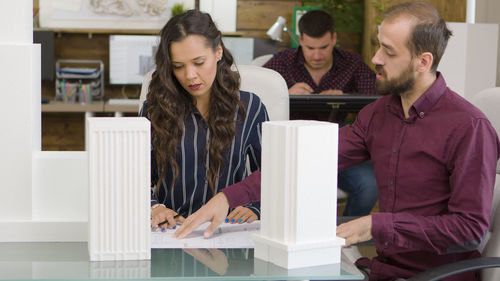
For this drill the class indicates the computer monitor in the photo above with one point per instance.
(131, 57)
(46, 39)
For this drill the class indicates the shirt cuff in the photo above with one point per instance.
(383, 230)
(244, 192)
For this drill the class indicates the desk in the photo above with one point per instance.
(36, 261)
(330, 103)
(94, 107)
(59, 106)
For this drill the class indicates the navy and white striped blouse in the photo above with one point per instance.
(191, 189)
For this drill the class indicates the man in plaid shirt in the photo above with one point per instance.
(317, 67)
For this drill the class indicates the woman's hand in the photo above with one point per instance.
(162, 216)
(214, 212)
(241, 214)
(214, 259)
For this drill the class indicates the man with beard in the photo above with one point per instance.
(317, 67)
(434, 155)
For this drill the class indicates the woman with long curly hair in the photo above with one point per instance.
(203, 127)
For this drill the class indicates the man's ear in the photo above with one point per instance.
(334, 38)
(424, 62)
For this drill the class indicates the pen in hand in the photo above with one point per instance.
(160, 225)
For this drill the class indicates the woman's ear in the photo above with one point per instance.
(218, 53)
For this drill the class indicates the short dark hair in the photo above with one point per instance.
(316, 23)
(429, 34)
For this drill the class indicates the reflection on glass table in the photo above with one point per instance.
(70, 261)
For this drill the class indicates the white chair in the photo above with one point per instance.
(488, 101)
(265, 83)
(270, 86)
(260, 61)
(144, 88)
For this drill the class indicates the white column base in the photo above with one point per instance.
(298, 255)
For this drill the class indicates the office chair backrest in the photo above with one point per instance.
(265, 83)
(144, 88)
(261, 60)
(488, 101)
(270, 86)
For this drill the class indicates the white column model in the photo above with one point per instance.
(299, 194)
(119, 152)
(20, 120)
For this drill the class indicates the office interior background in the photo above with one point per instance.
(63, 128)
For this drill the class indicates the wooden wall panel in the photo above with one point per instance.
(260, 15)
(63, 131)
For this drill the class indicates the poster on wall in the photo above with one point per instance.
(108, 14)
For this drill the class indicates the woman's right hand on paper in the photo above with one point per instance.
(163, 217)
(214, 211)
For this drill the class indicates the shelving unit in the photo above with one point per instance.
(81, 80)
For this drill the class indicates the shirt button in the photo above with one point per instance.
(392, 182)
(394, 150)
(421, 114)
(387, 243)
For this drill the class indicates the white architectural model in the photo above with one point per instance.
(299, 194)
(20, 119)
(119, 176)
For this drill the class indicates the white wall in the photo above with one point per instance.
(488, 11)
(469, 62)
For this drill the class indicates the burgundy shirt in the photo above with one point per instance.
(435, 172)
(348, 73)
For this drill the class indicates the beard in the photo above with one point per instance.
(398, 85)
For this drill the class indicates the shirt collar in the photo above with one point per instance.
(425, 102)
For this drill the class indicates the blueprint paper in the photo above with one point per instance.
(226, 236)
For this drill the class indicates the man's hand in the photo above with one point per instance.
(332, 92)
(356, 231)
(214, 211)
(300, 88)
(241, 214)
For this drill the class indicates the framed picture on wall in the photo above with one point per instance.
(298, 12)
(108, 14)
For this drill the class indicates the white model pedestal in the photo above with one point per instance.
(119, 179)
(299, 194)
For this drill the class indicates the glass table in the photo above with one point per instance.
(70, 261)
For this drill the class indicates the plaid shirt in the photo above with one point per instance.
(349, 73)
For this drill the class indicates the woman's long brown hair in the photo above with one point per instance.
(168, 103)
